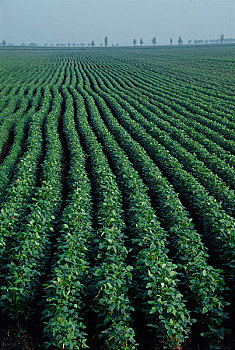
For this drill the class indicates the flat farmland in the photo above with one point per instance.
(117, 198)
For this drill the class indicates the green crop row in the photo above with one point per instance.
(154, 273)
(172, 108)
(20, 130)
(29, 255)
(178, 224)
(178, 130)
(157, 86)
(219, 227)
(22, 188)
(212, 183)
(20, 93)
(117, 201)
(64, 291)
(111, 275)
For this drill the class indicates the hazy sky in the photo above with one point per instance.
(63, 21)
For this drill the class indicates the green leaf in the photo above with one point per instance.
(153, 310)
(129, 268)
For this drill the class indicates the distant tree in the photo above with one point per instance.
(154, 41)
(214, 41)
(117, 44)
(68, 44)
(51, 44)
(45, 44)
(189, 42)
(57, 45)
(92, 43)
(74, 45)
(171, 41)
(180, 41)
(82, 44)
(141, 42)
(221, 38)
(106, 41)
(4, 42)
(134, 42)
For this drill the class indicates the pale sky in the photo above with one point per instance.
(76, 21)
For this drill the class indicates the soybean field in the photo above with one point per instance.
(117, 198)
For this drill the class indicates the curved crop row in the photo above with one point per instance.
(216, 187)
(23, 186)
(117, 201)
(110, 276)
(23, 92)
(168, 108)
(29, 255)
(177, 130)
(180, 227)
(220, 227)
(64, 291)
(21, 125)
(154, 273)
(157, 86)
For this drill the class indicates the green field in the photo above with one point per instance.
(117, 197)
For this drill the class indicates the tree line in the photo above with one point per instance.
(221, 40)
